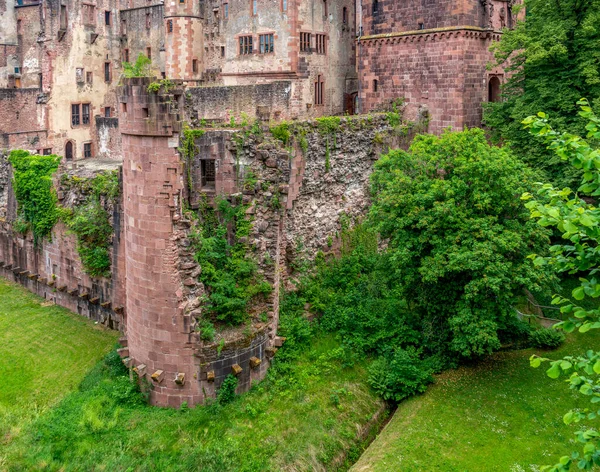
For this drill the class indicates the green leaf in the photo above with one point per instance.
(565, 365)
(597, 367)
(578, 293)
(554, 371)
(535, 362)
(568, 418)
(586, 389)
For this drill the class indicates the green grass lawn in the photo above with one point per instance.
(45, 352)
(306, 416)
(500, 415)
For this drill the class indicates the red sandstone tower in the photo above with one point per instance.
(158, 334)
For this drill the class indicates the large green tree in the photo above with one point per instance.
(552, 59)
(458, 236)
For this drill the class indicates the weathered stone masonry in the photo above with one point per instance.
(154, 295)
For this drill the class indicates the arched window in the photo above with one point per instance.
(494, 89)
(69, 151)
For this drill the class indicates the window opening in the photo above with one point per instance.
(245, 44)
(266, 43)
(75, 117)
(208, 173)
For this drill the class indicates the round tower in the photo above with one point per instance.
(158, 332)
(184, 40)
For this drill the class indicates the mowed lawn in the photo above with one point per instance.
(45, 352)
(500, 415)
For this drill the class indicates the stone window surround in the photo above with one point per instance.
(87, 150)
(255, 42)
(269, 39)
(79, 114)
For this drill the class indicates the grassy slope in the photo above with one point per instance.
(500, 415)
(45, 352)
(300, 420)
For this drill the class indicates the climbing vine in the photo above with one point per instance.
(229, 273)
(36, 198)
(189, 149)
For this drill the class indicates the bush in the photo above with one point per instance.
(399, 376)
(546, 338)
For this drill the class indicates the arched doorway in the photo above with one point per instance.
(494, 89)
(69, 151)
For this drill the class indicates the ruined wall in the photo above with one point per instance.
(145, 29)
(219, 103)
(52, 268)
(108, 138)
(21, 106)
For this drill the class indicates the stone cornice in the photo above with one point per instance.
(448, 29)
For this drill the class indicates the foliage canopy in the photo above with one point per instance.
(552, 59)
(458, 236)
(577, 217)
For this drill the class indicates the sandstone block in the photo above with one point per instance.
(158, 376)
(180, 378)
(254, 362)
(236, 369)
(210, 376)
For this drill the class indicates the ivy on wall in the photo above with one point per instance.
(32, 182)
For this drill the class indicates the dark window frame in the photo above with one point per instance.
(266, 43)
(246, 45)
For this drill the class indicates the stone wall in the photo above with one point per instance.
(52, 267)
(21, 106)
(108, 138)
(220, 103)
(439, 73)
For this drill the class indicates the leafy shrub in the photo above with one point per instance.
(140, 68)
(282, 132)
(228, 271)
(398, 376)
(36, 197)
(91, 225)
(227, 391)
(547, 338)
(206, 329)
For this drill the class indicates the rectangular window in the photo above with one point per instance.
(107, 112)
(89, 77)
(123, 28)
(266, 43)
(305, 42)
(85, 113)
(254, 7)
(148, 21)
(283, 5)
(75, 118)
(107, 18)
(226, 10)
(107, 74)
(195, 66)
(79, 75)
(125, 55)
(149, 53)
(63, 17)
(320, 43)
(245, 44)
(207, 167)
(319, 86)
(87, 150)
(47, 151)
(222, 51)
(169, 26)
